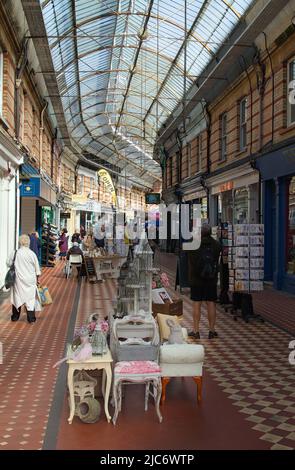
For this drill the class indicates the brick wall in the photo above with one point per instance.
(273, 125)
(8, 91)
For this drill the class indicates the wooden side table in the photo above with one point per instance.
(94, 363)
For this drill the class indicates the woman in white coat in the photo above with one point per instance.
(27, 271)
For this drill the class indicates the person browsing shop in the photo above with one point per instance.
(203, 275)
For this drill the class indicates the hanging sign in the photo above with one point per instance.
(106, 178)
(226, 187)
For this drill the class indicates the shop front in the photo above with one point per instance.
(197, 198)
(38, 200)
(10, 159)
(235, 197)
(86, 211)
(278, 189)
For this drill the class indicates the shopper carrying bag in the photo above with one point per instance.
(10, 275)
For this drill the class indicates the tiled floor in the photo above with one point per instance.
(27, 379)
(250, 364)
(248, 384)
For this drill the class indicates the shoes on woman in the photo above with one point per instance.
(195, 335)
(212, 334)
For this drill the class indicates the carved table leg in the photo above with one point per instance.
(71, 392)
(107, 391)
(165, 381)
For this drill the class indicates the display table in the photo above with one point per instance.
(94, 363)
(109, 265)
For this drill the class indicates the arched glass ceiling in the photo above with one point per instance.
(124, 65)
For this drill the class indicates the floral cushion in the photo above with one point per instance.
(137, 367)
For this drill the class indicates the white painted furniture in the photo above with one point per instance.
(137, 372)
(181, 360)
(108, 266)
(134, 337)
(94, 363)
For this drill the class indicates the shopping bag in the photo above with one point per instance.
(44, 295)
(38, 302)
(47, 295)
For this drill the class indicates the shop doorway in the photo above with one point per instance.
(270, 230)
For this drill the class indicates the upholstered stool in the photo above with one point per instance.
(181, 360)
(145, 372)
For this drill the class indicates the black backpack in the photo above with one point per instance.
(207, 266)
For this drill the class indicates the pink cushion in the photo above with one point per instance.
(137, 367)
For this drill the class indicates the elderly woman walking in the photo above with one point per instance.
(27, 271)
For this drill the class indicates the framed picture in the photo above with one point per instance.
(161, 296)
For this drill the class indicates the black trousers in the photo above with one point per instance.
(17, 311)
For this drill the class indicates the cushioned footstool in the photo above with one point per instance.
(144, 372)
(181, 360)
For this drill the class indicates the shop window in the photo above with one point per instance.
(291, 94)
(241, 206)
(80, 188)
(223, 137)
(291, 229)
(91, 187)
(225, 206)
(243, 124)
(1, 82)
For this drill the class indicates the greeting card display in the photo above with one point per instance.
(246, 258)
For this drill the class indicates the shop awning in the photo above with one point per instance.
(278, 163)
(33, 185)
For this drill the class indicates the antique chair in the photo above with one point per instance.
(136, 337)
(137, 372)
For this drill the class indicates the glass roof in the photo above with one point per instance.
(124, 65)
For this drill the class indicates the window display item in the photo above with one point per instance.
(175, 336)
(98, 341)
(82, 352)
(161, 296)
(247, 258)
(88, 410)
(135, 282)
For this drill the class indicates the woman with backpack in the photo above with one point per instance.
(203, 274)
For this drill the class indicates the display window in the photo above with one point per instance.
(225, 206)
(240, 206)
(291, 228)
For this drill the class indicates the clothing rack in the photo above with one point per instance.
(49, 239)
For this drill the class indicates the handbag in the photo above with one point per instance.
(10, 275)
